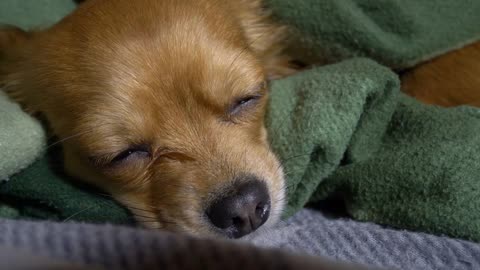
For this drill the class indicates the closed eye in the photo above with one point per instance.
(247, 102)
(243, 103)
(134, 152)
(138, 152)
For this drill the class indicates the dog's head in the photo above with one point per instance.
(180, 136)
(164, 111)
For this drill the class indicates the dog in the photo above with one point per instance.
(161, 104)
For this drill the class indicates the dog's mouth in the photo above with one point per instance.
(233, 210)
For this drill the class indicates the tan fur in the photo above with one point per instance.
(161, 74)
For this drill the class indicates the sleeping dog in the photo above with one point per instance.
(161, 104)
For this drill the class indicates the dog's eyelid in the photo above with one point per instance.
(248, 100)
(242, 103)
(141, 150)
(109, 160)
(99, 160)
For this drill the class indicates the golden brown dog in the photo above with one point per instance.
(160, 103)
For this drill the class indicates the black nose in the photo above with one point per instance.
(241, 212)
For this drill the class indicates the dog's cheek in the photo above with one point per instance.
(76, 167)
(264, 135)
(272, 172)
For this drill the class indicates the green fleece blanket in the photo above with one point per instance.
(343, 131)
(396, 33)
(387, 158)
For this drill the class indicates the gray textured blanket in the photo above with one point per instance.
(307, 232)
(366, 243)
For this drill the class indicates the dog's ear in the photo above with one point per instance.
(11, 37)
(265, 37)
(12, 42)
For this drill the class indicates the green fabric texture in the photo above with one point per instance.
(21, 138)
(343, 131)
(43, 192)
(32, 14)
(396, 33)
(347, 133)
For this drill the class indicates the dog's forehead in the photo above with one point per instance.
(144, 105)
(208, 72)
(158, 52)
(160, 77)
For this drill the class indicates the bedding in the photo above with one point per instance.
(307, 232)
(343, 131)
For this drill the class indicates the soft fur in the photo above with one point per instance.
(160, 103)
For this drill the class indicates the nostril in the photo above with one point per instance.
(237, 221)
(261, 210)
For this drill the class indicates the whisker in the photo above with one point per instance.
(139, 209)
(129, 203)
(77, 213)
(67, 138)
(150, 221)
(142, 216)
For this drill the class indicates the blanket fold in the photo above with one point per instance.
(425, 175)
(327, 114)
(389, 159)
(396, 33)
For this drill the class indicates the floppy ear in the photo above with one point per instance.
(12, 40)
(11, 37)
(265, 37)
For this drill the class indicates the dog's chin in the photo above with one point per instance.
(199, 225)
